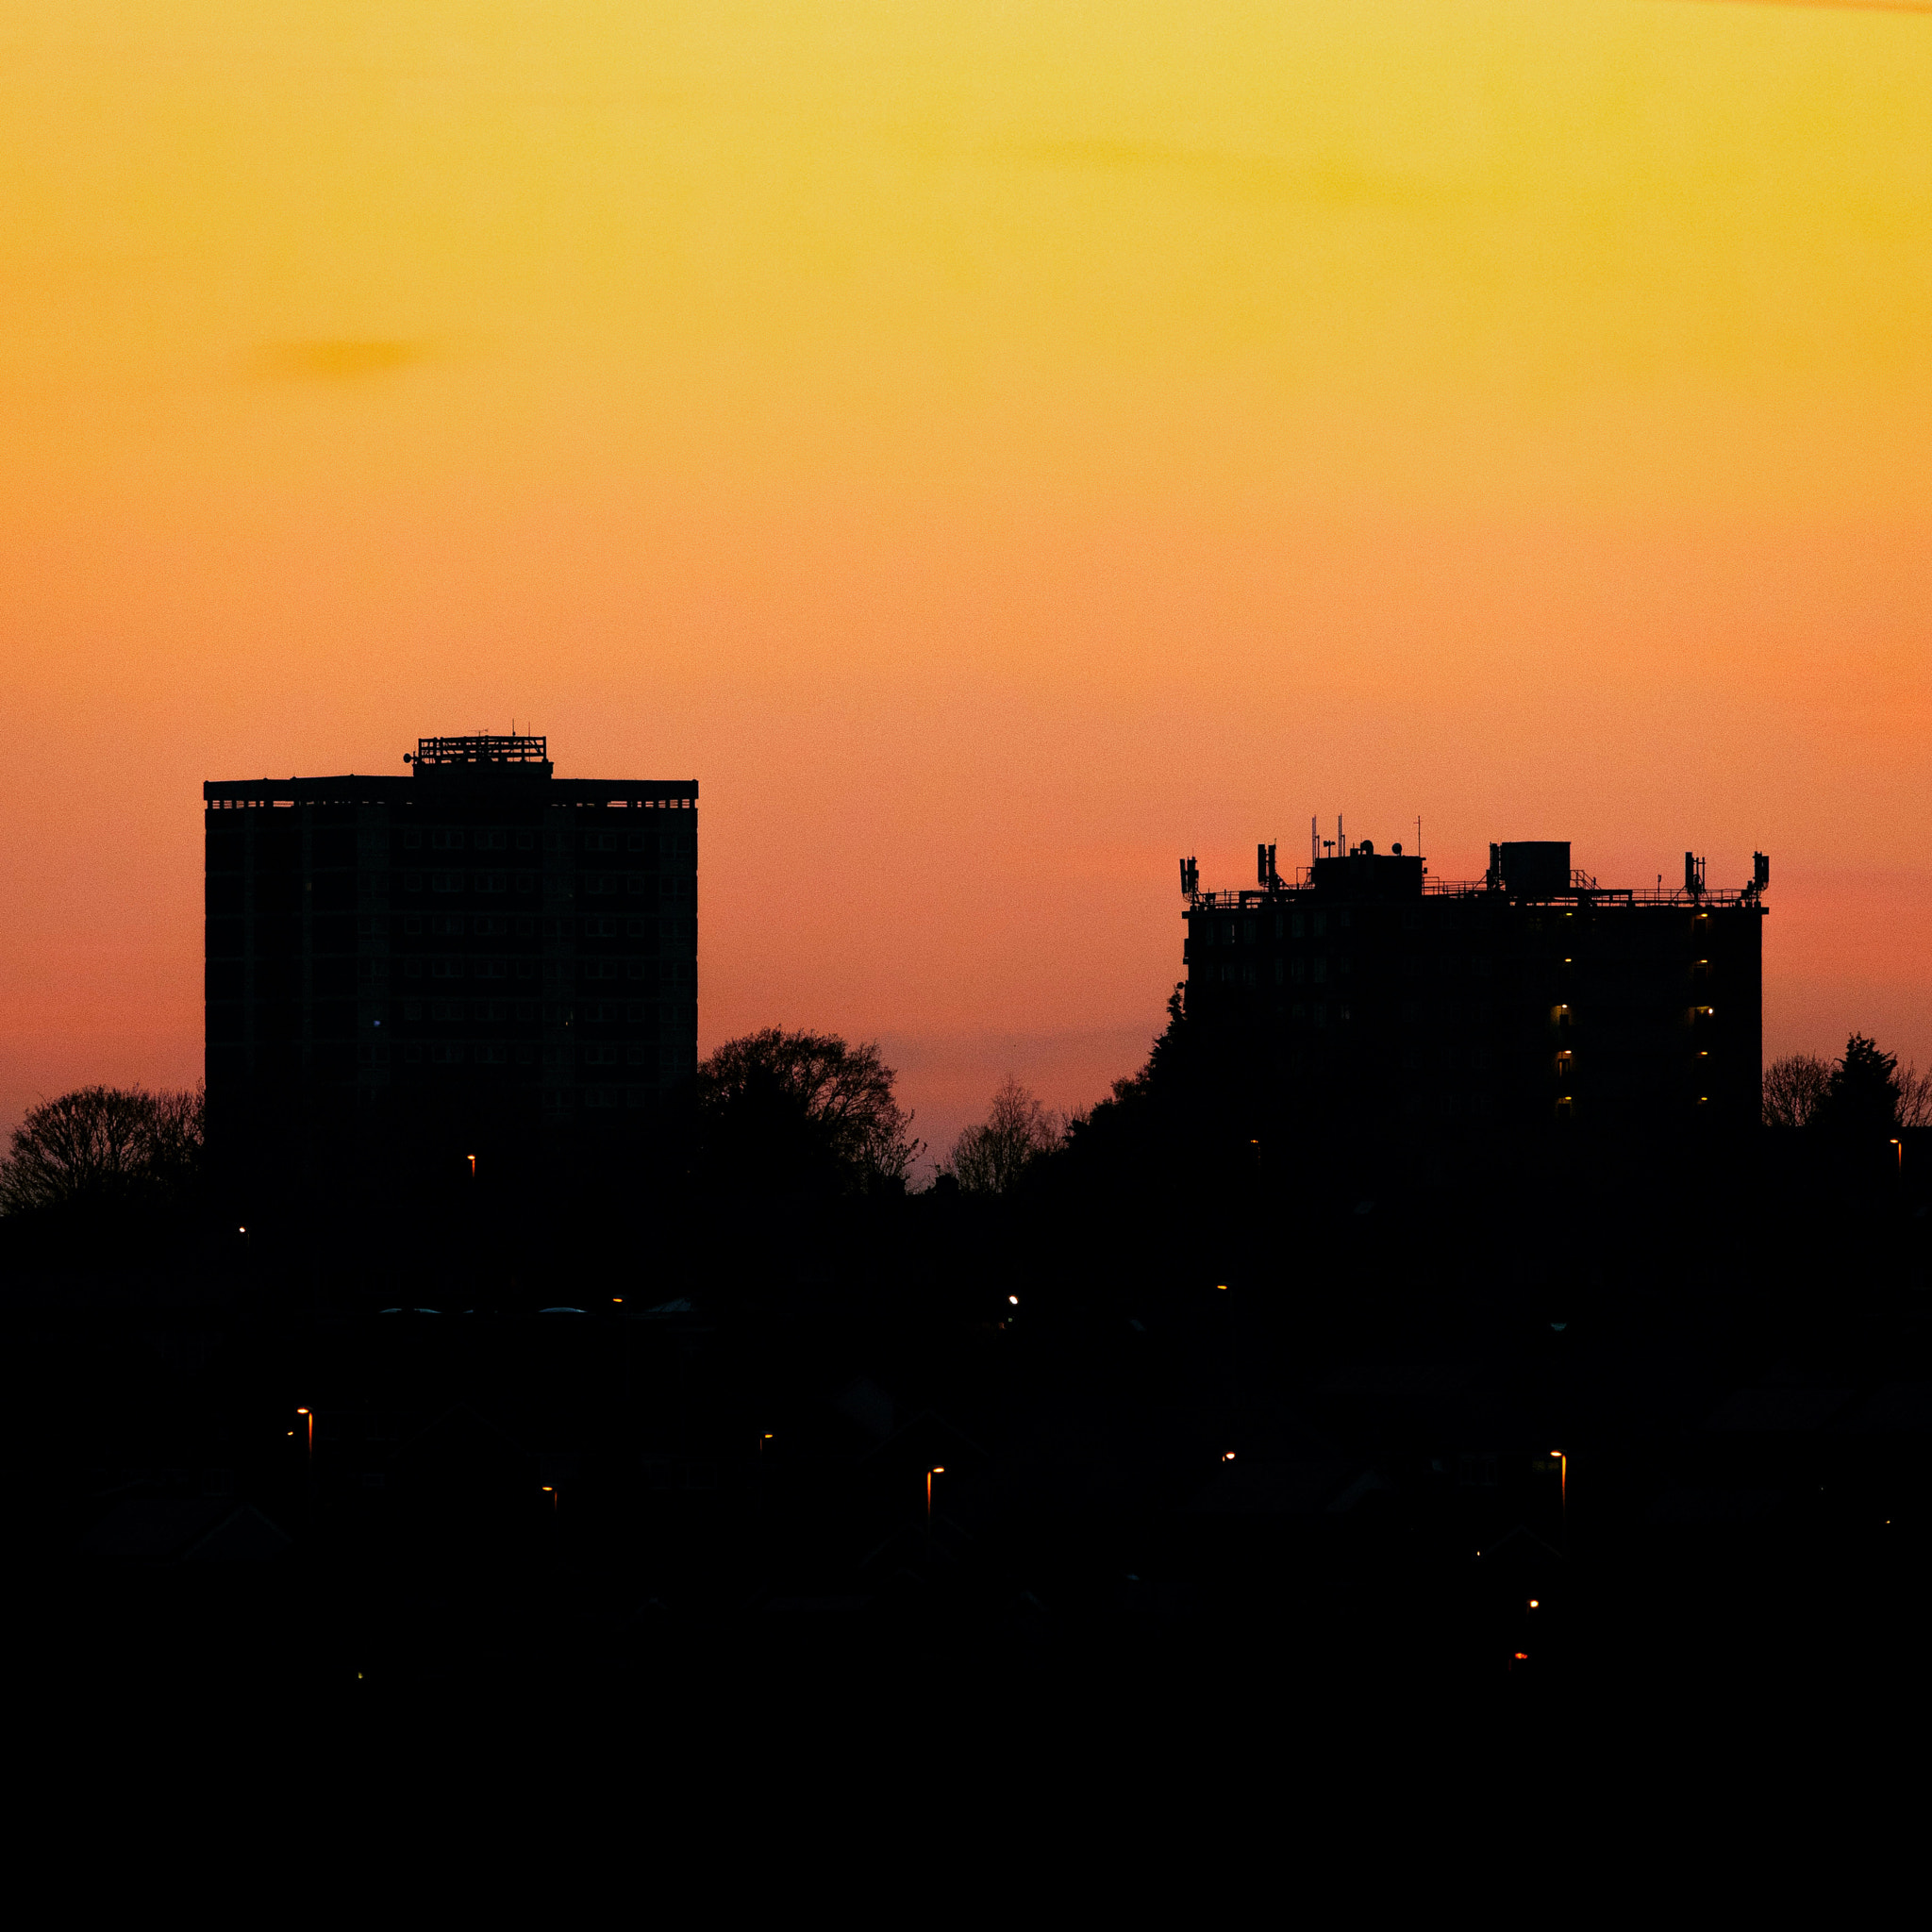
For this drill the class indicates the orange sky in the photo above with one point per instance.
(995, 448)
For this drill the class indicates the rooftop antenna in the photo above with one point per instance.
(1341, 844)
(1314, 839)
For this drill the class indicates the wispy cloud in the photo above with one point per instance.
(343, 361)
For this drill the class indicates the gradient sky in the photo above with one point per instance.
(997, 448)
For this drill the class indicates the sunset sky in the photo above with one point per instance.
(995, 448)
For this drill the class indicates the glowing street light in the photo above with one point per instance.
(312, 1435)
(937, 1469)
(1563, 1491)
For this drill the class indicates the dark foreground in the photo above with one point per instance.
(1379, 1470)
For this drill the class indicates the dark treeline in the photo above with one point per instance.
(1190, 1387)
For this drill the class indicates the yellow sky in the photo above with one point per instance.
(996, 447)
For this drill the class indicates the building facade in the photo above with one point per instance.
(1531, 998)
(478, 942)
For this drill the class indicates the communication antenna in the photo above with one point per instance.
(1191, 877)
(1314, 839)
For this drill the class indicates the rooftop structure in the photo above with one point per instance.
(1374, 995)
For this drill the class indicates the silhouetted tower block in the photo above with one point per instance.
(1380, 999)
(480, 947)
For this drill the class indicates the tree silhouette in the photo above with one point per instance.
(785, 1110)
(990, 1157)
(1861, 1102)
(1795, 1088)
(101, 1149)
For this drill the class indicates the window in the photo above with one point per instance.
(1320, 924)
(444, 967)
(413, 923)
(446, 842)
(1296, 923)
(492, 842)
(492, 882)
(1227, 934)
(447, 1054)
(1280, 973)
(1321, 967)
(1320, 1016)
(413, 969)
(412, 841)
(526, 841)
(492, 1053)
(1279, 924)
(639, 882)
(639, 928)
(1300, 969)
(1248, 931)
(600, 842)
(492, 968)
(413, 882)
(412, 1010)
(445, 882)
(446, 1010)
(1476, 1472)
(492, 1009)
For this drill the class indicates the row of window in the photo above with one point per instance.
(497, 839)
(553, 1012)
(497, 1053)
(445, 966)
(670, 929)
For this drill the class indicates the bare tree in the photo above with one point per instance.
(805, 1107)
(1795, 1087)
(990, 1157)
(1915, 1098)
(103, 1146)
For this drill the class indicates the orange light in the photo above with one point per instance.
(1533, 1602)
(1229, 1457)
(1014, 1299)
(301, 1411)
(1222, 1286)
(1522, 1657)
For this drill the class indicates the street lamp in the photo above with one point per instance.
(1901, 1146)
(312, 1435)
(1563, 1481)
(937, 1469)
